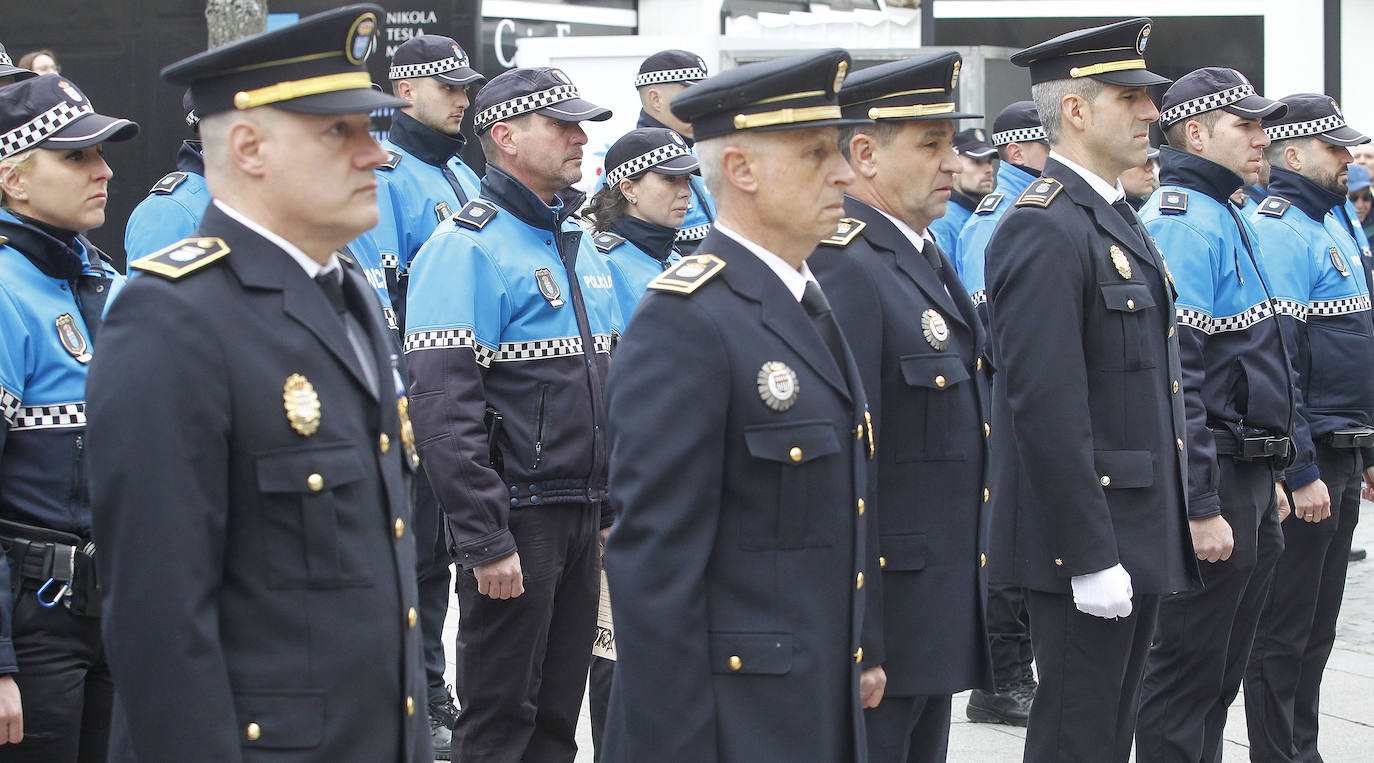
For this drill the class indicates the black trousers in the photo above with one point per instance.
(1202, 644)
(522, 662)
(432, 562)
(1298, 625)
(1008, 634)
(599, 700)
(64, 685)
(1090, 669)
(909, 729)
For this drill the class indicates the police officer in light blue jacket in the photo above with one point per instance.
(1315, 261)
(1020, 142)
(511, 317)
(649, 176)
(976, 179)
(173, 207)
(1236, 386)
(55, 686)
(424, 180)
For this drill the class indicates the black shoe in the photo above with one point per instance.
(1357, 554)
(1010, 704)
(442, 716)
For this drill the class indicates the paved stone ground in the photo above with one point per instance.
(1347, 690)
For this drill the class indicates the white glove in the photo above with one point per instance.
(1105, 594)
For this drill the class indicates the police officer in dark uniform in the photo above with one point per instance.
(976, 178)
(55, 689)
(256, 557)
(423, 182)
(1235, 389)
(1092, 508)
(10, 73)
(510, 320)
(173, 208)
(659, 80)
(919, 347)
(739, 440)
(1315, 264)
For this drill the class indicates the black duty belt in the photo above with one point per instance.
(59, 566)
(1359, 437)
(1251, 448)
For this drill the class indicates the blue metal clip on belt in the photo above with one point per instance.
(66, 584)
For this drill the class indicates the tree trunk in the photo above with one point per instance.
(229, 20)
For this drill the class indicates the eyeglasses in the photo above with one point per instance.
(1365, 197)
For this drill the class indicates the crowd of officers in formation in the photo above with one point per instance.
(863, 435)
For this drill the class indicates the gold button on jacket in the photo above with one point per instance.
(252, 732)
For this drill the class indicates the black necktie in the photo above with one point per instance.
(1124, 209)
(332, 287)
(818, 307)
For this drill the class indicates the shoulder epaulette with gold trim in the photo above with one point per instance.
(4, 240)
(168, 183)
(606, 241)
(1274, 206)
(989, 204)
(185, 256)
(475, 214)
(393, 158)
(688, 274)
(1040, 193)
(849, 228)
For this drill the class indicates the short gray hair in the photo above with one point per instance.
(1049, 96)
(709, 156)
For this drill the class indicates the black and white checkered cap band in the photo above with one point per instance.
(524, 104)
(50, 417)
(42, 127)
(1019, 135)
(5, 59)
(690, 74)
(1205, 103)
(427, 69)
(1302, 129)
(645, 161)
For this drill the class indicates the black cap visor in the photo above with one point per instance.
(685, 164)
(14, 71)
(461, 76)
(837, 122)
(1132, 78)
(90, 130)
(1343, 136)
(575, 110)
(1257, 107)
(976, 151)
(351, 101)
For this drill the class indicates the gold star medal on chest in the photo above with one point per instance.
(72, 339)
(1123, 265)
(302, 405)
(777, 385)
(935, 329)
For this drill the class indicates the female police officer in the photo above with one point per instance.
(638, 211)
(53, 289)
